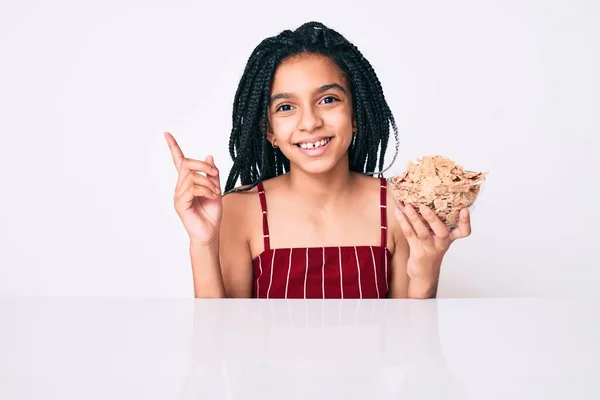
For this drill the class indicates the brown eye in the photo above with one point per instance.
(281, 107)
(329, 98)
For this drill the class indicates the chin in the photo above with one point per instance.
(316, 167)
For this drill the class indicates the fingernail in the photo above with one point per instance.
(409, 210)
(398, 213)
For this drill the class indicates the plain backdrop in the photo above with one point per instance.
(88, 88)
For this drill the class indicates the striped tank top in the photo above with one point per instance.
(340, 272)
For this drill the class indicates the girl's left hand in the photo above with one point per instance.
(428, 247)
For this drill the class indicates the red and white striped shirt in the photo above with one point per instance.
(342, 272)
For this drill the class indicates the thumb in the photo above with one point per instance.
(209, 159)
(214, 178)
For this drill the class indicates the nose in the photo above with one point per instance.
(309, 119)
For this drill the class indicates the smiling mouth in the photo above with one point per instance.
(314, 145)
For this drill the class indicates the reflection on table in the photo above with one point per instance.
(315, 349)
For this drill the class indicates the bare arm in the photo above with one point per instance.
(206, 270)
(400, 281)
(223, 268)
(402, 286)
(234, 248)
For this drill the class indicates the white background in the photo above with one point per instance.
(88, 88)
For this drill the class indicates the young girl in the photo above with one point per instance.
(310, 127)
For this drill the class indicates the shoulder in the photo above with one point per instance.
(239, 196)
(368, 184)
(240, 205)
(243, 204)
(375, 186)
(242, 220)
(241, 211)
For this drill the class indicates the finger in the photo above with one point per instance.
(189, 165)
(203, 191)
(202, 180)
(195, 179)
(176, 152)
(216, 179)
(199, 166)
(419, 226)
(184, 199)
(464, 225)
(184, 184)
(411, 236)
(436, 224)
(188, 190)
(210, 160)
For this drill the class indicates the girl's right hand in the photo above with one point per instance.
(197, 197)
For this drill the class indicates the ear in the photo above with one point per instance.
(271, 138)
(354, 127)
(270, 135)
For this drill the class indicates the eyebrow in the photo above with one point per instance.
(322, 89)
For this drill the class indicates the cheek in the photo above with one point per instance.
(341, 123)
(283, 129)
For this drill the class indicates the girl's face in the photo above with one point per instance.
(310, 115)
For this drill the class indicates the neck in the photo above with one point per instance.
(322, 190)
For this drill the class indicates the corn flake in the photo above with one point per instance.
(440, 184)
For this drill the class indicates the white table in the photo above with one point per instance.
(106, 348)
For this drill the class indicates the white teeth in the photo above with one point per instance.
(314, 145)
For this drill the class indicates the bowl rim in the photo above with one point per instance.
(479, 182)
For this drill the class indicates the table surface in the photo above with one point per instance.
(125, 348)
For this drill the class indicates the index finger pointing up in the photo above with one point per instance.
(175, 150)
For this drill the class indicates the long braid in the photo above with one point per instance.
(254, 159)
(371, 134)
(381, 113)
(386, 113)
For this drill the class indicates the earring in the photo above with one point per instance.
(273, 144)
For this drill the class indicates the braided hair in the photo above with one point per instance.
(253, 159)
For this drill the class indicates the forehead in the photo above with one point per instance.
(304, 73)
